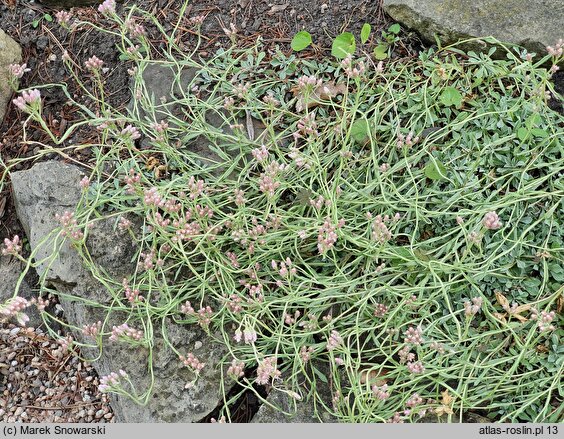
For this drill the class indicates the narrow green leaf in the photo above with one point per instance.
(435, 170)
(539, 132)
(365, 32)
(343, 45)
(301, 40)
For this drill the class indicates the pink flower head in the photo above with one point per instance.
(381, 392)
(63, 17)
(491, 221)
(334, 340)
(191, 361)
(18, 70)
(85, 182)
(414, 335)
(267, 370)
(131, 131)
(107, 7)
(93, 63)
(236, 370)
(28, 101)
(12, 247)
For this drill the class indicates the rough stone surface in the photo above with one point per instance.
(165, 87)
(70, 3)
(53, 187)
(10, 53)
(533, 25)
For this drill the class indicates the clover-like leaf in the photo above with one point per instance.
(343, 45)
(301, 40)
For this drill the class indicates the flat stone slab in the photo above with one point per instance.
(531, 24)
(50, 188)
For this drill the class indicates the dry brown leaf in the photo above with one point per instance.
(446, 407)
(502, 300)
(542, 348)
(152, 162)
(560, 304)
(500, 316)
(324, 92)
(373, 377)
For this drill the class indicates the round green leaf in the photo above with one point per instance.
(381, 51)
(301, 40)
(359, 130)
(343, 45)
(451, 96)
(435, 170)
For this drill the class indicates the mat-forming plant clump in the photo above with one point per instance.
(394, 234)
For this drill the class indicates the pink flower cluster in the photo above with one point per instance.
(267, 180)
(305, 353)
(405, 355)
(186, 229)
(13, 308)
(249, 335)
(65, 343)
(124, 224)
(234, 304)
(408, 140)
(334, 340)
(381, 392)
(63, 17)
(111, 381)
(12, 247)
(196, 187)
(308, 83)
(286, 268)
(28, 101)
(268, 99)
(491, 221)
(289, 319)
(260, 154)
(240, 197)
(557, 50)
(350, 71)
(414, 335)
(415, 367)
(204, 314)
(267, 370)
(17, 70)
(93, 63)
(132, 295)
(306, 126)
(380, 231)
(380, 310)
(414, 400)
(299, 160)
(131, 181)
(327, 236)
(70, 227)
(107, 7)
(135, 29)
(192, 361)
(92, 330)
(84, 183)
(123, 331)
(471, 309)
(545, 319)
(241, 89)
(236, 370)
(131, 132)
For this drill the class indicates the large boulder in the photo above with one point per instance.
(50, 188)
(10, 53)
(533, 25)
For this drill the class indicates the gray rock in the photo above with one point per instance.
(533, 25)
(53, 187)
(10, 53)
(170, 91)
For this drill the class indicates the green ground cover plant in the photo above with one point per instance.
(395, 232)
